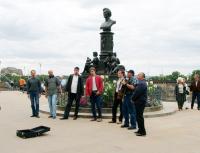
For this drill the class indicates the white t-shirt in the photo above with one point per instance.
(119, 85)
(180, 87)
(74, 84)
(94, 86)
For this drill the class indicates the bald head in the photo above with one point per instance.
(141, 76)
(50, 72)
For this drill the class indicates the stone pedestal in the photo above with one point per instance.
(106, 44)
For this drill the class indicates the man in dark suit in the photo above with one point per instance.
(75, 90)
(195, 88)
(140, 100)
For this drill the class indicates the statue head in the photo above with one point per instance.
(106, 26)
(88, 59)
(107, 13)
(95, 54)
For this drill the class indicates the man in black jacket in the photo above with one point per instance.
(75, 90)
(195, 88)
(140, 100)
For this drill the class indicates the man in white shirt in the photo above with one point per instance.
(118, 98)
(75, 90)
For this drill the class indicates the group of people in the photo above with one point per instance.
(182, 90)
(130, 96)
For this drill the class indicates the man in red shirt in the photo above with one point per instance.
(94, 90)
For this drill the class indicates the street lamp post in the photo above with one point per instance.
(40, 68)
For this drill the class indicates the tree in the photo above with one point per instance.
(172, 77)
(193, 73)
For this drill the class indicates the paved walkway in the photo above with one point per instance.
(178, 133)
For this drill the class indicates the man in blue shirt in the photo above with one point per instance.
(33, 91)
(128, 107)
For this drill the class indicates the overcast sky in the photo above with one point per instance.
(154, 36)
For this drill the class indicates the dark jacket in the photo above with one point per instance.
(132, 81)
(177, 90)
(52, 84)
(195, 88)
(80, 88)
(140, 93)
(33, 85)
(178, 95)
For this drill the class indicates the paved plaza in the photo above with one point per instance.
(177, 133)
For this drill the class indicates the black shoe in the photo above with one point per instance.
(32, 116)
(137, 132)
(124, 126)
(112, 122)
(37, 116)
(50, 116)
(131, 128)
(94, 119)
(75, 118)
(141, 134)
(64, 118)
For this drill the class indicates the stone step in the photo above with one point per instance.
(169, 108)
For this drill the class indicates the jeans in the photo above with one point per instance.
(129, 110)
(71, 98)
(194, 96)
(34, 97)
(96, 101)
(52, 99)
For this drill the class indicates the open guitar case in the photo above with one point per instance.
(30, 133)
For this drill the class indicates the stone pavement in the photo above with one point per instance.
(178, 133)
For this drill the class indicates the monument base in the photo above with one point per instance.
(106, 44)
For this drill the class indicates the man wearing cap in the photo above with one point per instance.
(128, 106)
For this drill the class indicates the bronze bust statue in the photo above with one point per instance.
(106, 26)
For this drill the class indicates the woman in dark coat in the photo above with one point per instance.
(180, 91)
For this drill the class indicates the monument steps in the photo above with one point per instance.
(169, 108)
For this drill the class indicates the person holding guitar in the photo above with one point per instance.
(118, 96)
